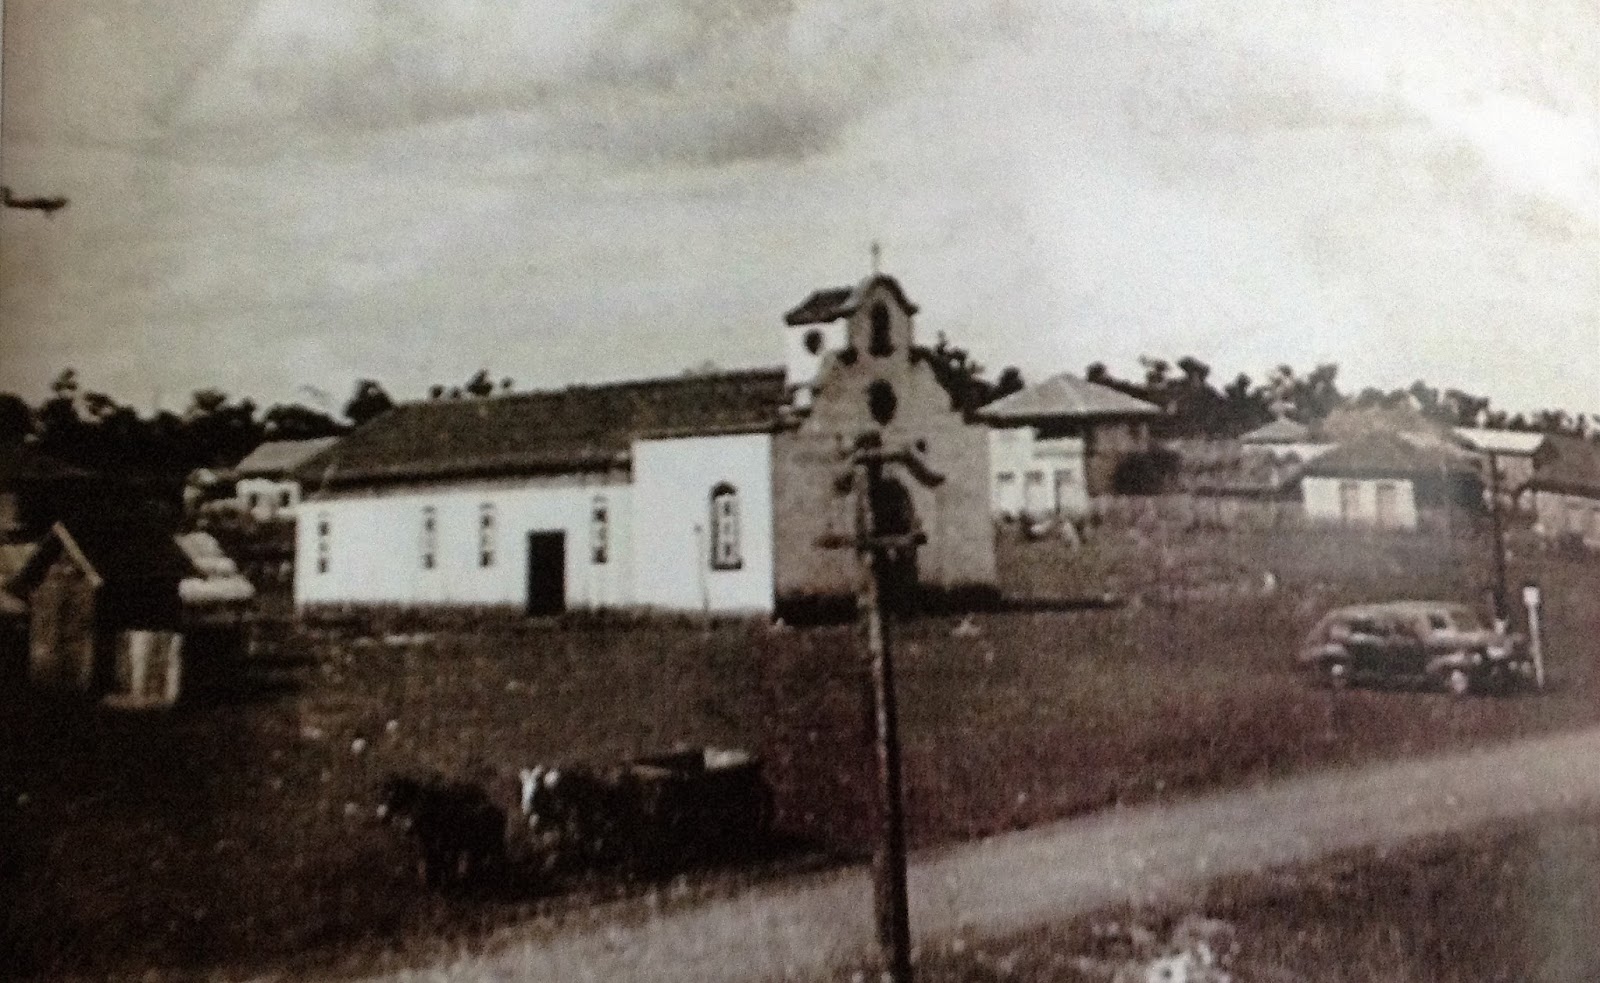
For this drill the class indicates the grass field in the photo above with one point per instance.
(1503, 905)
(238, 834)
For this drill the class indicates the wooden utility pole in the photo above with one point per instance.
(1502, 611)
(882, 554)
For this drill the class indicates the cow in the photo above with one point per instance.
(650, 815)
(457, 827)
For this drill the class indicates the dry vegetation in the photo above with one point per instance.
(238, 833)
(1504, 905)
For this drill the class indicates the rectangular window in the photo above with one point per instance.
(1387, 505)
(1349, 501)
(430, 537)
(725, 528)
(486, 536)
(284, 499)
(1007, 477)
(599, 530)
(324, 545)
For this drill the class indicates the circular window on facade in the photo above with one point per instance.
(882, 402)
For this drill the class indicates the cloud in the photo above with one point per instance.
(695, 81)
(407, 189)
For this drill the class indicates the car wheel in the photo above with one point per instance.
(1458, 682)
(1338, 675)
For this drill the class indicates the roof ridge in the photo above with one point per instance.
(616, 386)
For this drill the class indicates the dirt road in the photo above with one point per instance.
(801, 928)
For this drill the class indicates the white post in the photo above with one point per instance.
(1530, 598)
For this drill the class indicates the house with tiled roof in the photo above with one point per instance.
(1385, 480)
(717, 492)
(1056, 443)
(1564, 491)
(1510, 453)
(265, 485)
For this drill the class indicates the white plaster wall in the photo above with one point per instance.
(1015, 451)
(672, 483)
(376, 545)
(267, 492)
(1321, 497)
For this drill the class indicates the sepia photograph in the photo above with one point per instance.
(800, 491)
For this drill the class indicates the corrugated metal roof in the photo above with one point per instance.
(1067, 395)
(1501, 441)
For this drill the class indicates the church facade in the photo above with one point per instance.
(724, 493)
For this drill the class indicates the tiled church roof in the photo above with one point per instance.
(836, 302)
(580, 428)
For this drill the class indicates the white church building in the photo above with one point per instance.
(587, 497)
(653, 494)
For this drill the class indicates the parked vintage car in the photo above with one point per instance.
(1430, 642)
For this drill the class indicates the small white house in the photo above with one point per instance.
(1055, 435)
(1383, 481)
(266, 487)
(1035, 478)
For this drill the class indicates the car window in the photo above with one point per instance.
(1364, 626)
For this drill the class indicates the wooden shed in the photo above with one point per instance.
(103, 604)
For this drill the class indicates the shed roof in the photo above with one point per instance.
(1568, 465)
(1384, 454)
(1501, 441)
(111, 553)
(832, 303)
(1066, 395)
(580, 428)
(277, 458)
(217, 579)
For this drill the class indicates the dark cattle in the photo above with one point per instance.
(650, 815)
(459, 830)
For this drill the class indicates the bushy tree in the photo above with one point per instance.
(367, 402)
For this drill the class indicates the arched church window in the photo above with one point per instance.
(725, 550)
(430, 536)
(486, 534)
(324, 542)
(881, 343)
(599, 530)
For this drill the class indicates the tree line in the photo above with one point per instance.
(95, 431)
(1197, 408)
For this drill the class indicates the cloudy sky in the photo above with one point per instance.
(276, 194)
